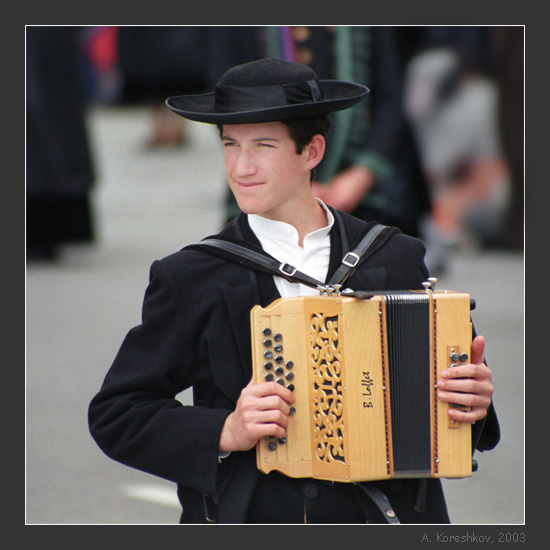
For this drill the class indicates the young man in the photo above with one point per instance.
(195, 330)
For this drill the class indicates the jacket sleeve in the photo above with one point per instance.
(135, 417)
(403, 260)
(486, 432)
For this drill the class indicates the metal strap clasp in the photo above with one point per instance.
(287, 269)
(351, 259)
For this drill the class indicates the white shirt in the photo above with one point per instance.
(280, 239)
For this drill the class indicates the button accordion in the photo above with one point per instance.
(364, 373)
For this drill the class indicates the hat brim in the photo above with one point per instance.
(336, 95)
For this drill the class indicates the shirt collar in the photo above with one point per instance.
(265, 228)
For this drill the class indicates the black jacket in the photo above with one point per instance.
(195, 332)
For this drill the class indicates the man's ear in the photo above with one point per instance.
(315, 151)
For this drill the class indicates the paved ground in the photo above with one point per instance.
(149, 204)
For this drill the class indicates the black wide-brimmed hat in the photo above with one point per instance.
(267, 90)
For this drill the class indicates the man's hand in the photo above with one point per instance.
(469, 385)
(262, 410)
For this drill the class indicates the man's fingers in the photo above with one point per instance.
(266, 389)
(478, 349)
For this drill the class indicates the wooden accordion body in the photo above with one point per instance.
(364, 373)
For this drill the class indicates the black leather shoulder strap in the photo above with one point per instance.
(245, 254)
(352, 259)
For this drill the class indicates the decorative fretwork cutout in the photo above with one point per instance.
(328, 401)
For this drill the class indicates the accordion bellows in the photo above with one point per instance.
(364, 373)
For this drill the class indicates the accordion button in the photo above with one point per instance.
(464, 357)
(269, 377)
(454, 357)
(292, 411)
(267, 342)
(289, 375)
(268, 354)
(277, 337)
(289, 364)
(290, 387)
(279, 370)
(272, 445)
(267, 365)
(278, 348)
(266, 331)
(278, 359)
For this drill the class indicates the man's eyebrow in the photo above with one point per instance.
(229, 138)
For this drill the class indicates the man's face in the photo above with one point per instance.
(265, 173)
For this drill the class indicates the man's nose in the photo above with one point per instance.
(245, 164)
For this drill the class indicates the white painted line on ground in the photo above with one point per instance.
(156, 494)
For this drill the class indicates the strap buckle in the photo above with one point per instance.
(351, 259)
(287, 269)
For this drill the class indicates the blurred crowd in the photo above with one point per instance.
(436, 149)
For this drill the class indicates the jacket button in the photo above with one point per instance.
(311, 491)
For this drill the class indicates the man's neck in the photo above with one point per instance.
(309, 217)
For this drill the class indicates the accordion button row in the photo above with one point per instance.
(277, 372)
(278, 369)
(457, 358)
(463, 357)
(277, 336)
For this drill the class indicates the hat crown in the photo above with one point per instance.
(267, 72)
(267, 90)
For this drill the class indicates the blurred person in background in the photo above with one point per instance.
(101, 73)
(144, 64)
(452, 100)
(151, 63)
(509, 74)
(59, 166)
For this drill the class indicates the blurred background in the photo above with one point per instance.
(114, 180)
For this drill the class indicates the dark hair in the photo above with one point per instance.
(302, 129)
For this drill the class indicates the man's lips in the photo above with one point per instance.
(249, 184)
